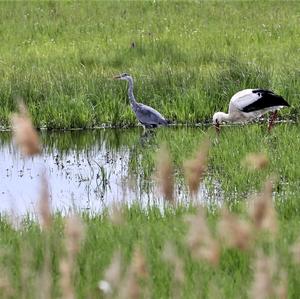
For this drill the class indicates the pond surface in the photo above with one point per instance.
(86, 171)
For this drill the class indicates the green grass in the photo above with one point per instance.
(189, 58)
(225, 169)
(23, 254)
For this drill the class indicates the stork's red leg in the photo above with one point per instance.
(272, 120)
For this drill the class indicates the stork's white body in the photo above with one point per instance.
(243, 99)
(248, 104)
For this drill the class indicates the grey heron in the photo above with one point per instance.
(248, 104)
(147, 116)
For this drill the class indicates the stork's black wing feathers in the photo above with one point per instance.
(267, 98)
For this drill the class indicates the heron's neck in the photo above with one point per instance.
(130, 93)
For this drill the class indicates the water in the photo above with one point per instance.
(86, 171)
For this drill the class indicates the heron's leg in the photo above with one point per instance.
(271, 121)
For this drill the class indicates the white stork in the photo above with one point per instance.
(248, 104)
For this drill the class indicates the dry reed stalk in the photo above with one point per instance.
(164, 173)
(281, 289)
(262, 211)
(295, 250)
(74, 234)
(136, 274)
(255, 161)
(237, 233)
(112, 275)
(262, 287)
(195, 169)
(44, 281)
(170, 255)
(6, 289)
(27, 260)
(200, 241)
(214, 291)
(116, 215)
(24, 134)
(66, 269)
(44, 205)
(269, 280)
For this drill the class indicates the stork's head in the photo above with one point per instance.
(123, 76)
(218, 118)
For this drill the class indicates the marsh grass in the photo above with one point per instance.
(188, 58)
(248, 248)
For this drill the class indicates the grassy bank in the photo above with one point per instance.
(188, 59)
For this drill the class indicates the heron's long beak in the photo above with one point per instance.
(117, 77)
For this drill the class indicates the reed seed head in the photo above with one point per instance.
(170, 255)
(165, 173)
(237, 233)
(139, 265)
(195, 169)
(24, 134)
(44, 205)
(256, 161)
(200, 241)
(262, 210)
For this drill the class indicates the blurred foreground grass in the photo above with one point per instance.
(31, 258)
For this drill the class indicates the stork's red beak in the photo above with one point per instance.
(117, 77)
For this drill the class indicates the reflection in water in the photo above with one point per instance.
(87, 170)
(146, 137)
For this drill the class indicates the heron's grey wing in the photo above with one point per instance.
(149, 116)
